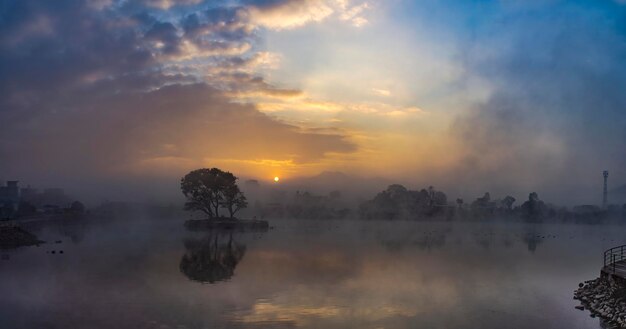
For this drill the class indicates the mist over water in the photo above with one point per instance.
(134, 273)
(401, 164)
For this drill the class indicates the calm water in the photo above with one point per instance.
(304, 274)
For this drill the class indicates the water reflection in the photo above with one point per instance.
(73, 229)
(425, 240)
(306, 274)
(486, 238)
(212, 258)
(532, 239)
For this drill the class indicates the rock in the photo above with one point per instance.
(579, 307)
(13, 237)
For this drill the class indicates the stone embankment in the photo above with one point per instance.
(604, 298)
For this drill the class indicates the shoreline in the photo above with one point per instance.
(12, 237)
(226, 224)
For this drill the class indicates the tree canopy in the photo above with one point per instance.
(209, 190)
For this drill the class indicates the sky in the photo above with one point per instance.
(505, 96)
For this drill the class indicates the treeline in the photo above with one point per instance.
(398, 202)
(306, 205)
(212, 190)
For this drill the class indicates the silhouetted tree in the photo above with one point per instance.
(483, 202)
(77, 207)
(483, 207)
(398, 202)
(234, 200)
(209, 189)
(508, 202)
(534, 209)
(459, 202)
(201, 190)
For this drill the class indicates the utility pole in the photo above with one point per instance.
(605, 192)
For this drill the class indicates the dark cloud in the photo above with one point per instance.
(91, 91)
(190, 122)
(167, 35)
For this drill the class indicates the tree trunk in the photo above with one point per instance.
(208, 212)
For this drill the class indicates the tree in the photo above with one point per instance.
(209, 189)
(508, 202)
(399, 202)
(77, 207)
(534, 209)
(234, 200)
(202, 188)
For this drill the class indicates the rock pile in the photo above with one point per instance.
(13, 237)
(605, 299)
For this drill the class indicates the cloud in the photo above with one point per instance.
(354, 14)
(381, 92)
(166, 4)
(289, 14)
(99, 89)
(555, 117)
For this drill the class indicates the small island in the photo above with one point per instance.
(212, 190)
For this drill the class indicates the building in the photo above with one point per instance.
(16, 201)
(9, 199)
(29, 194)
(10, 193)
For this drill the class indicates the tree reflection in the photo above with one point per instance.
(211, 259)
(427, 240)
(532, 239)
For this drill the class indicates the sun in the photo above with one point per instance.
(276, 179)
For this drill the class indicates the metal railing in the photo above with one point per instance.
(613, 256)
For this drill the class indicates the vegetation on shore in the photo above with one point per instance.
(397, 202)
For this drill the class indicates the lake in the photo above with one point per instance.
(304, 274)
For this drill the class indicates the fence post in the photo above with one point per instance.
(613, 262)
